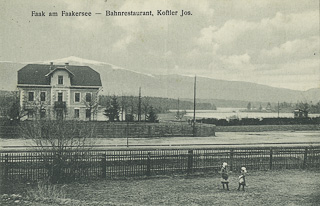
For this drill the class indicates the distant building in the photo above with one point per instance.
(298, 113)
(59, 91)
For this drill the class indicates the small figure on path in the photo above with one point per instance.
(224, 175)
(242, 178)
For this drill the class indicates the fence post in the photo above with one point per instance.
(190, 161)
(104, 165)
(231, 159)
(6, 169)
(305, 158)
(149, 164)
(271, 153)
(4, 178)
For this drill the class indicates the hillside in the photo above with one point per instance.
(120, 81)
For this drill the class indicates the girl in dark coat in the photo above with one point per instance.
(224, 175)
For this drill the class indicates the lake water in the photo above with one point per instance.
(222, 113)
(226, 113)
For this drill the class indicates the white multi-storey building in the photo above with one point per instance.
(59, 91)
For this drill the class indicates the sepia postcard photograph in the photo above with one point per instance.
(159, 102)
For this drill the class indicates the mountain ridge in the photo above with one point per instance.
(122, 81)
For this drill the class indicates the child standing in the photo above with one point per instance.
(242, 178)
(224, 175)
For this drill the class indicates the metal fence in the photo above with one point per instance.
(115, 163)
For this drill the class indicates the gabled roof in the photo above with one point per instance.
(59, 68)
(38, 74)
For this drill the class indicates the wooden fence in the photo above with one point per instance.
(115, 163)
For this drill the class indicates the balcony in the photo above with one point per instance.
(60, 105)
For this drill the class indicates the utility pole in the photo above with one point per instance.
(278, 109)
(178, 113)
(278, 113)
(127, 133)
(194, 105)
(139, 106)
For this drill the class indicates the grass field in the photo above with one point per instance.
(286, 187)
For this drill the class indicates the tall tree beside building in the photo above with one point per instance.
(152, 116)
(249, 106)
(112, 110)
(10, 107)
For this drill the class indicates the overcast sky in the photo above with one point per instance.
(272, 42)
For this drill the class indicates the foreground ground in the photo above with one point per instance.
(286, 187)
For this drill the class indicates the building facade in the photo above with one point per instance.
(59, 91)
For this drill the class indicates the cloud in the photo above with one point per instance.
(164, 27)
(266, 41)
(237, 62)
(235, 35)
(231, 30)
(298, 48)
(303, 22)
(121, 44)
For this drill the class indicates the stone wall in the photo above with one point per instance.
(131, 129)
(145, 130)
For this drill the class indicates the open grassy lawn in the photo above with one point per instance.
(286, 187)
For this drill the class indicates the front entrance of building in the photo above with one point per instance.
(59, 113)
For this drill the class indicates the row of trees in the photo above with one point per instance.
(126, 108)
(286, 107)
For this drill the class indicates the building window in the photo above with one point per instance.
(60, 97)
(30, 113)
(77, 97)
(60, 79)
(88, 97)
(43, 96)
(42, 113)
(76, 113)
(31, 96)
(88, 113)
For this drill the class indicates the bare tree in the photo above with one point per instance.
(62, 145)
(91, 105)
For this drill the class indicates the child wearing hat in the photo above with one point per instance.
(224, 175)
(242, 178)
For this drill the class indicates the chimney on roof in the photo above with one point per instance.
(51, 66)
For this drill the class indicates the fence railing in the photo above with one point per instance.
(115, 163)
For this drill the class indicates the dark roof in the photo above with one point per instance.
(35, 74)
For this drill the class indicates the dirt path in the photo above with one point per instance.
(262, 138)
